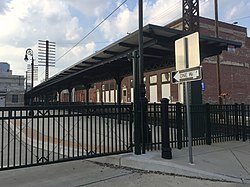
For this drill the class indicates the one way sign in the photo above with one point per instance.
(186, 75)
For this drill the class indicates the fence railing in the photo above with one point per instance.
(40, 135)
(210, 124)
(47, 134)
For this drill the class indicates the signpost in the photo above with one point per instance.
(187, 69)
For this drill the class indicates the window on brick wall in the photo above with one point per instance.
(14, 98)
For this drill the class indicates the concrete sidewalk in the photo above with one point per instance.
(227, 161)
(219, 162)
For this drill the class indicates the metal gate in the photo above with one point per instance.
(42, 135)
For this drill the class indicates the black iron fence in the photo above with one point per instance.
(210, 124)
(41, 135)
(48, 134)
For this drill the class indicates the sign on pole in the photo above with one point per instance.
(187, 63)
(193, 52)
(186, 75)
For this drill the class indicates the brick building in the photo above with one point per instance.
(235, 74)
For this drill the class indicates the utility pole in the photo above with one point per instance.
(218, 56)
(46, 55)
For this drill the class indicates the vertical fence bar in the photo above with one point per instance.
(68, 115)
(172, 111)
(87, 130)
(119, 127)
(53, 134)
(157, 115)
(32, 136)
(116, 134)
(58, 133)
(43, 131)
(236, 115)
(8, 144)
(208, 124)
(73, 130)
(101, 135)
(78, 132)
(2, 141)
(82, 117)
(26, 137)
(96, 131)
(63, 132)
(37, 143)
(48, 135)
(14, 147)
(124, 120)
(110, 130)
(243, 116)
(20, 132)
(146, 130)
(227, 122)
(131, 128)
(179, 125)
(248, 117)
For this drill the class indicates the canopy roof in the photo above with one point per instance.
(113, 61)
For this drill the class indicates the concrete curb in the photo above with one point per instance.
(145, 162)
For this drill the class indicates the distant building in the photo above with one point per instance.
(11, 87)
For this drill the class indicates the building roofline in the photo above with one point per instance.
(211, 22)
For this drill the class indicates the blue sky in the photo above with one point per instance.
(24, 22)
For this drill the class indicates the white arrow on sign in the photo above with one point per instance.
(177, 76)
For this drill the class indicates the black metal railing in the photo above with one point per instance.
(210, 124)
(40, 135)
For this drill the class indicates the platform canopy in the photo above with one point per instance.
(114, 60)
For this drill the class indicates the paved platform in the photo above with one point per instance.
(228, 161)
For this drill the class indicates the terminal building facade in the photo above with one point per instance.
(235, 74)
(11, 87)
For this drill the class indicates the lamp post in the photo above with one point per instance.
(26, 81)
(30, 52)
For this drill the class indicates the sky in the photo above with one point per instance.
(70, 22)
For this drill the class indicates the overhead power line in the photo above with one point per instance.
(235, 19)
(91, 30)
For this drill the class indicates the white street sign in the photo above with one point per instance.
(193, 52)
(186, 75)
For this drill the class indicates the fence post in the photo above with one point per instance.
(236, 115)
(179, 125)
(243, 116)
(131, 127)
(166, 150)
(208, 124)
(146, 130)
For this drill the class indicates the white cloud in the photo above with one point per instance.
(24, 22)
(116, 27)
(161, 12)
(93, 8)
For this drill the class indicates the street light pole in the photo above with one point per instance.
(26, 83)
(30, 52)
